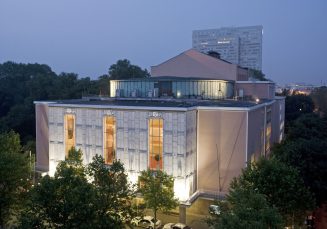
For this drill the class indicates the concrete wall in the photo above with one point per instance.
(221, 134)
(256, 89)
(195, 64)
(42, 136)
(242, 74)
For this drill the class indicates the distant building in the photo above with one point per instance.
(204, 128)
(238, 45)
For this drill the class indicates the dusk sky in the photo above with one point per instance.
(86, 37)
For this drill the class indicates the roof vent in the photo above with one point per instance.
(214, 54)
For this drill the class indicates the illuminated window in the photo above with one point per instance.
(268, 137)
(155, 143)
(109, 146)
(69, 132)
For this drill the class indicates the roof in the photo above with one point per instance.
(141, 103)
(169, 78)
(196, 64)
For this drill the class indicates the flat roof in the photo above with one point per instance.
(141, 103)
(172, 78)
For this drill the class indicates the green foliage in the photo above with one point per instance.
(157, 188)
(63, 201)
(282, 186)
(305, 148)
(257, 74)
(245, 208)
(103, 85)
(308, 126)
(14, 176)
(123, 69)
(296, 105)
(21, 84)
(77, 196)
(113, 192)
(319, 97)
(309, 156)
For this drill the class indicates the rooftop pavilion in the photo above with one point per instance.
(172, 87)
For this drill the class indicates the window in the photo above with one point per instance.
(155, 143)
(109, 138)
(69, 132)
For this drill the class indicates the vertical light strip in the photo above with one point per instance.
(109, 139)
(69, 132)
(155, 143)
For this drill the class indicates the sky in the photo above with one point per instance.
(87, 37)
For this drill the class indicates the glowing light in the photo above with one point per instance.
(223, 42)
(180, 189)
(178, 94)
(52, 168)
(257, 100)
(133, 177)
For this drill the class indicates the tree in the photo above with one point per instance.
(157, 188)
(244, 208)
(305, 148)
(296, 105)
(282, 186)
(21, 84)
(309, 157)
(113, 191)
(103, 85)
(96, 196)
(319, 97)
(14, 176)
(123, 69)
(257, 74)
(308, 126)
(66, 200)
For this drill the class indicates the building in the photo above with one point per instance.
(238, 45)
(203, 130)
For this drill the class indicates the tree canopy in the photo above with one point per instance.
(69, 200)
(14, 176)
(157, 188)
(113, 192)
(245, 208)
(296, 105)
(257, 74)
(282, 186)
(123, 69)
(305, 148)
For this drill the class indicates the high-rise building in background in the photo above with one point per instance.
(238, 45)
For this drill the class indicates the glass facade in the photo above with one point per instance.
(155, 143)
(109, 144)
(176, 88)
(69, 132)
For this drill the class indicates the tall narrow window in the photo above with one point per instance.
(69, 132)
(109, 139)
(155, 143)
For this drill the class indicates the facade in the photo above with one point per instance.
(238, 45)
(197, 129)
